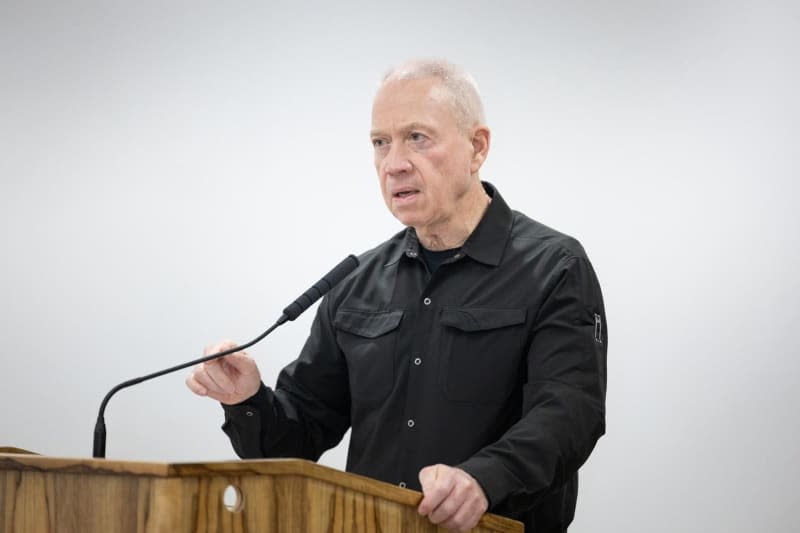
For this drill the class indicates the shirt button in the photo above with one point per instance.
(402, 484)
(411, 423)
(417, 361)
(427, 301)
(249, 413)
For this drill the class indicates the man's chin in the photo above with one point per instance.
(407, 219)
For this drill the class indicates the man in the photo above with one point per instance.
(467, 353)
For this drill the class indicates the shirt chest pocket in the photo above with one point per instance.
(481, 353)
(368, 339)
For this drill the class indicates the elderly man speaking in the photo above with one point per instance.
(467, 353)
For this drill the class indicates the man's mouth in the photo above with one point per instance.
(405, 193)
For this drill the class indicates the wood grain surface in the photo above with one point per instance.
(46, 494)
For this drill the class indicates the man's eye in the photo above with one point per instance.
(377, 143)
(416, 136)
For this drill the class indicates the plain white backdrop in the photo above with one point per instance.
(174, 173)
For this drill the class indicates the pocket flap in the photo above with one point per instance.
(481, 318)
(369, 324)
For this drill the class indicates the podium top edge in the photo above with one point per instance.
(11, 449)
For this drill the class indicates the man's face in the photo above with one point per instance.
(425, 162)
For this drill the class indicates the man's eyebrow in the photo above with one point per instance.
(405, 128)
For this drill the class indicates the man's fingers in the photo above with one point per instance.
(230, 379)
(452, 498)
(465, 518)
(194, 386)
(427, 475)
(241, 362)
(447, 509)
(200, 382)
(217, 372)
(214, 375)
(435, 488)
(201, 376)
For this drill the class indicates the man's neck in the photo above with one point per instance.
(454, 232)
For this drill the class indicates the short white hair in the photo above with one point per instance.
(460, 85)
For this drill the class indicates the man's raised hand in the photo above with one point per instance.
(230, 379)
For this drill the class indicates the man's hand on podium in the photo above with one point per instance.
(230, 379)
(451, 497)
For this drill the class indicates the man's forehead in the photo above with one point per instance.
(422, 90)
(409, 102)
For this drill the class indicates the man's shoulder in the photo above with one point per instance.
(529, 235)
(379, 257)
(371, 275)
(385, 252)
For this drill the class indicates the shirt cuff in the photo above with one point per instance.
(490, 476)
(245, 422)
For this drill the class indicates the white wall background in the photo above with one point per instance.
(172, 173)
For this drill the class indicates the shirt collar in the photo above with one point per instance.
(486, 243)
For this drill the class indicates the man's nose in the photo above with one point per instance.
(396, 161)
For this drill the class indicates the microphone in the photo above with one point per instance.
(320, 288)
(295, 309)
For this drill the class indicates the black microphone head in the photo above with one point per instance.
(320, 288)
(341, 271)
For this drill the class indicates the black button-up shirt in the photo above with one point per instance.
(495, 363)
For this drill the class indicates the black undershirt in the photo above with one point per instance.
(433, 259)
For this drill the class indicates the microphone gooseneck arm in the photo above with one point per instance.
(100, 427)
(317, 291)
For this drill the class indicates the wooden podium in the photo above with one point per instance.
(46, 494)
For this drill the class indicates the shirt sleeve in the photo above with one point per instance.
(307, 412)
(563, 411)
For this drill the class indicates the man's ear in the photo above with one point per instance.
(481, 137)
